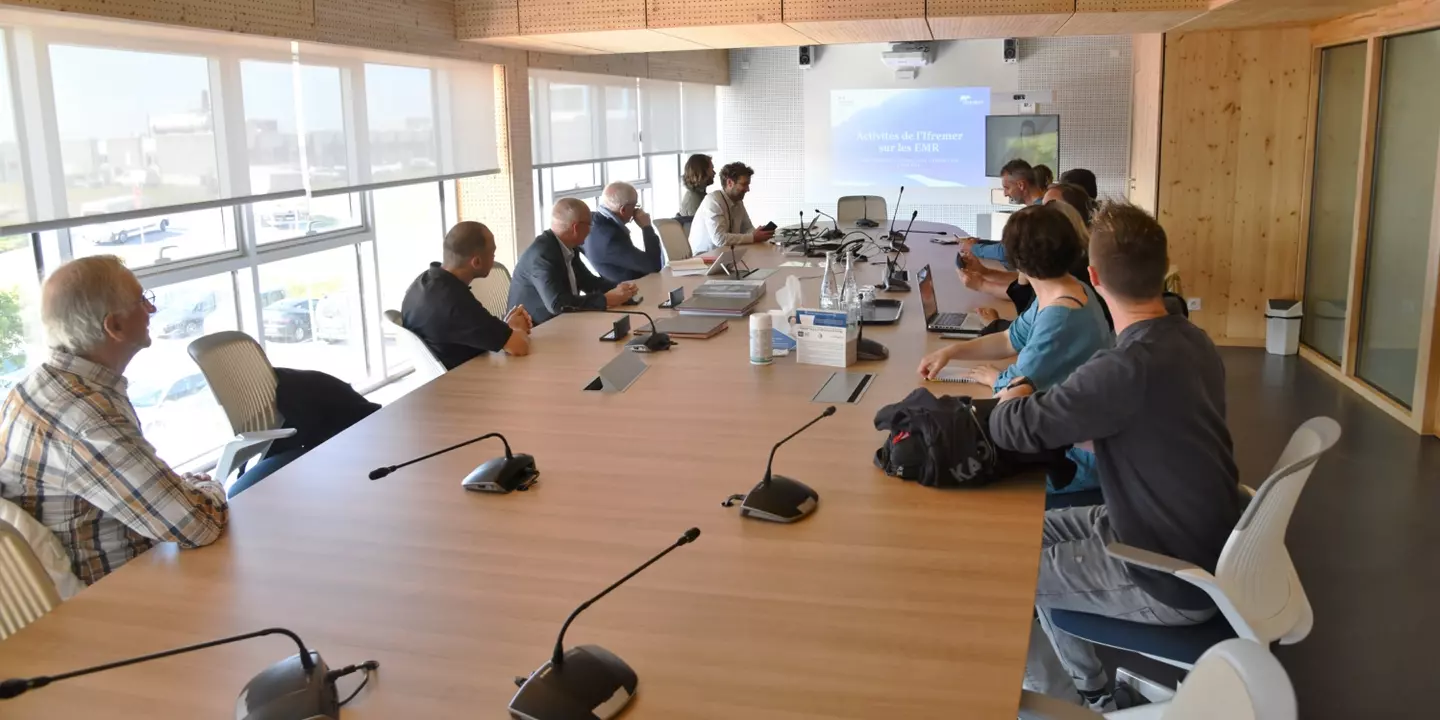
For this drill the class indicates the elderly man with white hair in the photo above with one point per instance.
(551, 278)
(71, 452)
(609, 245)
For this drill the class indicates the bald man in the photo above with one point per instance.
(71, 451)
(550, 278)
(441, 310)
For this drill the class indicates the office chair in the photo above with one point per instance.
(493, 291)
(673, 239)
(1255, 585)
(854, 207)
(35, 574)
(243, 382)
(1236, 680)
(427, 367)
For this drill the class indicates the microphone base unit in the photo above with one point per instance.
(866, 223)
(781, 500)
(591, 682)
(287, 691)
(503, 475)
(652, 342)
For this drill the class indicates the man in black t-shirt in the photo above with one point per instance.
(1154, 407)
(440, 309)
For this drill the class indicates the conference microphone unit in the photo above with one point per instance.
(500, 475)
(586, 682)
(899, 238)
(299, 687)
(832, 233)
(777, 498)
(654, 341)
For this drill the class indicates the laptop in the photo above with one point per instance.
(949, 322)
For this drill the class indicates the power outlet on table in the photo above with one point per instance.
(1193, 304)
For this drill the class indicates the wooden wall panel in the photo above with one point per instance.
(1391, 19)
(425, 27)
(707, 66)
(1147, 53)
(1235, 118)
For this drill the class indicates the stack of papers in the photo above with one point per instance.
(718, 306)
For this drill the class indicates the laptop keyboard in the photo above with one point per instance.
(948, 320)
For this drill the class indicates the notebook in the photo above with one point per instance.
(955, 375)
(695, 327)
(724, 306)
(689, 267)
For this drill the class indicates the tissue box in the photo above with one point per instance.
(823, 338)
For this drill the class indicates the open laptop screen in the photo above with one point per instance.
(927, 294)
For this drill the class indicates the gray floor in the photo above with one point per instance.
(1363, 539)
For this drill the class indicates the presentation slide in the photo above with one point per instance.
(919, 138)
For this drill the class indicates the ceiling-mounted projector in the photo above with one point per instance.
(906, 55)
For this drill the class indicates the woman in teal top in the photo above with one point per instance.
(1057, 333)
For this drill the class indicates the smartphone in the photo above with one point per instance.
(770, 226)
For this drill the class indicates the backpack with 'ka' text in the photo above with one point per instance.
(938, 442)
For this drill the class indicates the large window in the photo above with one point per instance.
(136, 128)
(287, 191)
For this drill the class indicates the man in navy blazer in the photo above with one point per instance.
(550, 277)
(609, 247)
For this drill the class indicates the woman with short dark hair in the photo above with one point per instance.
(1056, 334)
(699, 175)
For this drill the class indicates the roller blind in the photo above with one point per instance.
(150, 119)
(576, 117)
(661, 128)
(698, 117)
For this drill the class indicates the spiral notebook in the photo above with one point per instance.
(954, 375)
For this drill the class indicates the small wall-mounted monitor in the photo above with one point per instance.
(1032, 138)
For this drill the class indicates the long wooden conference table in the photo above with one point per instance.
(892, 601)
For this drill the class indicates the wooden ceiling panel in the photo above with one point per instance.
(1139, 6)
(997, 26)
(837, 32)
(540, 43)
(1255, 13)
(555, 17)
(486, 18)
(1130, 23)
(629, 41)
(694, 13)
(741, 36)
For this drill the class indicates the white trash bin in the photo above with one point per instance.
(1282, 327)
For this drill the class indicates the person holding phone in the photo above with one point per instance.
(722, 218)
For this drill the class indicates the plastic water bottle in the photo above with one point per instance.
(850, 292)
(829, 292)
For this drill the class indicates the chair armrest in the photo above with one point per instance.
(1034, 706)
(1149, 560)
(255, 436)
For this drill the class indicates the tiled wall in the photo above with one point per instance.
(763, 125)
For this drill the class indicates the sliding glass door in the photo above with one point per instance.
(1407, 144)
(1332, 200)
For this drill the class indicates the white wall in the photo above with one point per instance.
(769, 108)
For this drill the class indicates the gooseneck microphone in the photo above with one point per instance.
(777, 498)
(654, 341)
(893, 215)
(588, 681)
(500, 475)
(296, 688)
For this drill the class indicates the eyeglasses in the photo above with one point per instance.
(147, 297)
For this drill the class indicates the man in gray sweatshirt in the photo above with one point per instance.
(1154, 408)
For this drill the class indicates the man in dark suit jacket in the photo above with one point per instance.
(609, 246)
(550, 278)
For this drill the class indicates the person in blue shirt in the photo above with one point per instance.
(1056, 334)
(1017, 179)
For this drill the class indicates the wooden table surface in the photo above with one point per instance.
(891, 601)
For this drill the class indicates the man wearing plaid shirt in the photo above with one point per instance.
(71, 452)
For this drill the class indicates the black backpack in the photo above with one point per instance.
(944, 442)
(939, 442)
